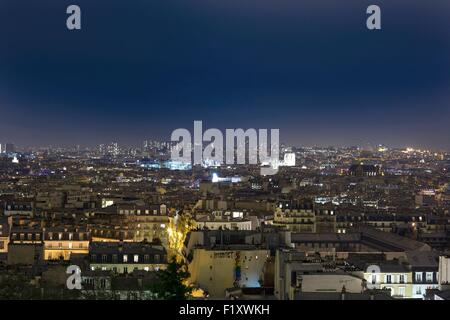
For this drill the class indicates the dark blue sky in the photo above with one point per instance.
(142, 68)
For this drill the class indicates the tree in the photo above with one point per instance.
(171, 282)
(17, 287)
(177, 231)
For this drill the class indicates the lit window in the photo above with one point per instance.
(136, 258)
(388, 278)
(418, 276)
(374, 278)
(125, 258)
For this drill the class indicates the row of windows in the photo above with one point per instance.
(60, 235)
(233, 226)
(428, 276)
(70, 246)
(155, 212)
(389, 278)
(126, 258)
(342, 245)
(29, 236)
(124, 269)
(18, 207)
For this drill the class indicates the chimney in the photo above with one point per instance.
(343, 292)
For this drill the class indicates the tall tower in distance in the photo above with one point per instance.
(9, 147)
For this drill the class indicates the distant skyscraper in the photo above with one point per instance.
(9, 147)
(111, 149)
(102, 149)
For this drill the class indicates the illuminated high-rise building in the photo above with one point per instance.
(9, 147)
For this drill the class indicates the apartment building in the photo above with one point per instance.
(61, 242)
(390, 275)
(125, 257)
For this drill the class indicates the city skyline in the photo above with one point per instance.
(139, 146)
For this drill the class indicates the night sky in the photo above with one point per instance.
(141, 68)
